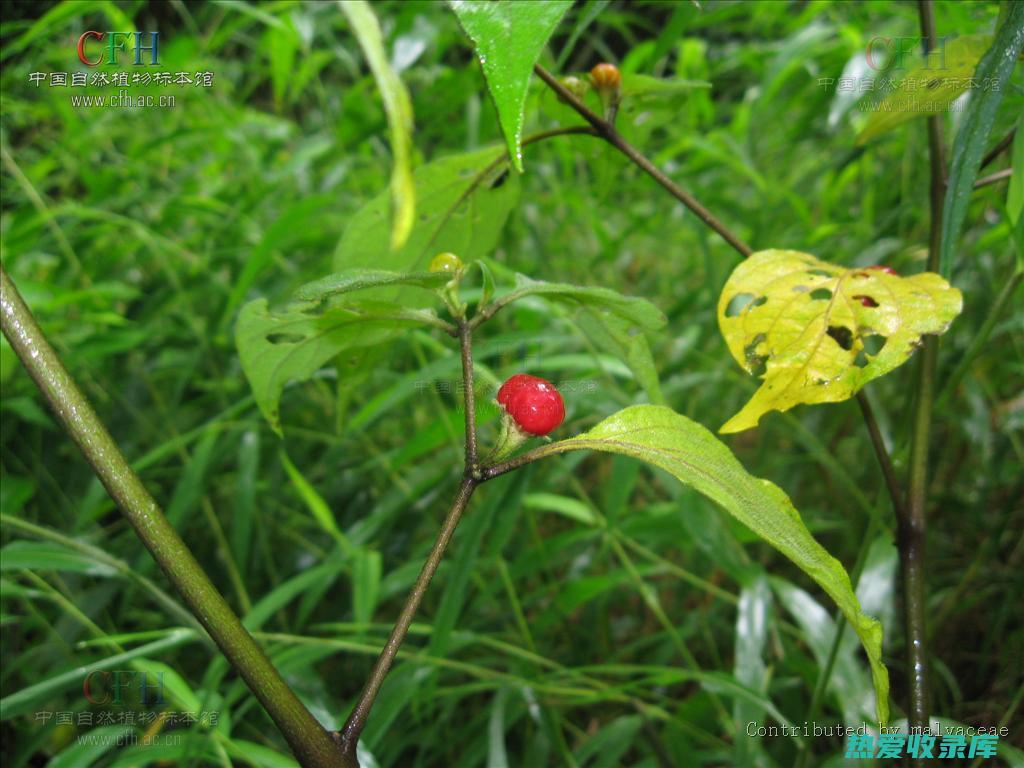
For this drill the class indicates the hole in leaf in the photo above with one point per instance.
(742, 302)
(500, 180)
(285, 338)
(756, 363)
(861, 360)
(843, 336)
(866, 301)
(821, 294)
(873, 343)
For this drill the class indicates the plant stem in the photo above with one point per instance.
(888, 471)
(466, 348)
(999, 148)
(349, 734)
(607, 131)
(311, 743)
(993, 178)
(912, 523)
(914, 535)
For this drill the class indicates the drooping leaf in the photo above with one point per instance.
(694, 456)
(969, 146)
(360, 279)
(398, 108)
(929, 87)
(508, 38)
(816, 327)
(292, 345)
(639, 312)
(464, 201)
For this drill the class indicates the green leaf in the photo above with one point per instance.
(995, 70)
(22, 701)
(644, 86)
(639, 312)
(464, 201)
(612, 334)
(50, 556)
(315, 504)
(366, 571)
(89, 750)
(508, 38)
(1015, 192)
(694, 456)
(805, 320)
(928, 88)
(290, 589)
(399, 111)
(360, 279)
(160, 676)
(292, 345)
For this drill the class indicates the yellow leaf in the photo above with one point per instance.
(930, 87)
(820, 332)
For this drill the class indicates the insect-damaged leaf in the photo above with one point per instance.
(292, 345)
(820, 332)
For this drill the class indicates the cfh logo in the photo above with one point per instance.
(116, 42)
(113, 687)
(880, 49)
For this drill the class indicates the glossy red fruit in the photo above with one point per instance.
(883, 268)
(533, 403)
(606, 77)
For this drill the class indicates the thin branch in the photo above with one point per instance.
(349, 734)
(992, 178)
(466, 348)
(310, 742)
(607, 131)
(884, 461)
(999, 148)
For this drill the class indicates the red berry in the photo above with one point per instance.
(533, 403)
(883, 268)
(606, 77)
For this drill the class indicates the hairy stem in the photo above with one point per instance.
(607, 131)
(349, 734)
(310, 742)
